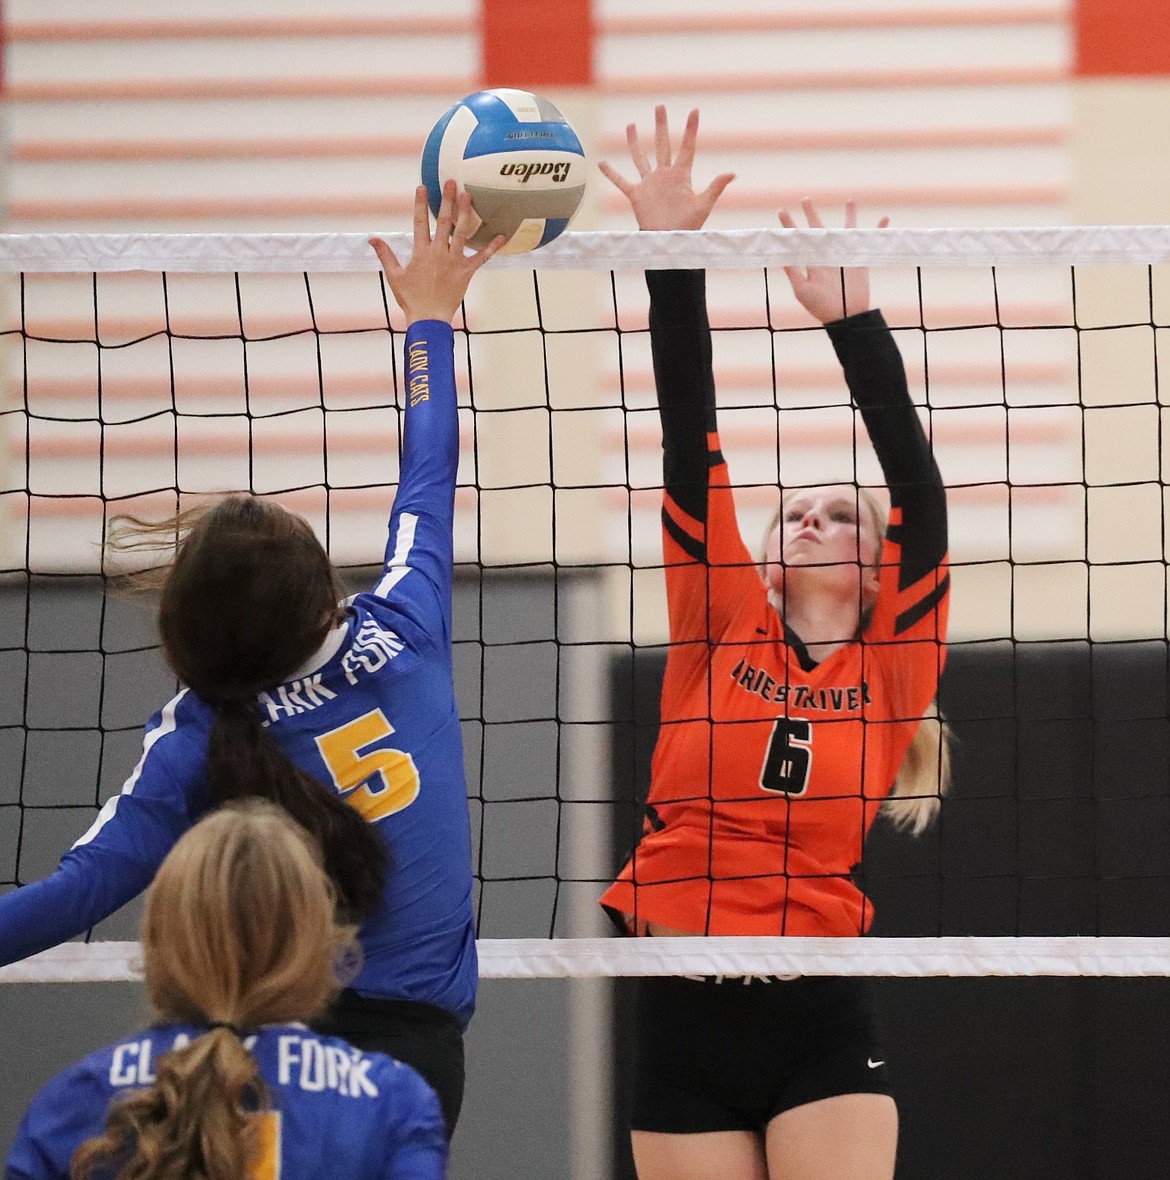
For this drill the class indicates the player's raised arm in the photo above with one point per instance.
(429, 287)
(699, 527)
(840, 298)
(663, 198)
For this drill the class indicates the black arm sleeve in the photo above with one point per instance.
(877, 383)
(680, 340)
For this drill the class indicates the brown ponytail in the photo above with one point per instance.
(243, 760)
(248, 598)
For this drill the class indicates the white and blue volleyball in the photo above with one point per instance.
(516, 155)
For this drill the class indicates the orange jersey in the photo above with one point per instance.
(770, 768)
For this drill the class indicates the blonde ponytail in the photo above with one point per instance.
(198, 1121)
(923, 778)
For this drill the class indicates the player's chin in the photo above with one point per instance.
(835, 575)
(807, 546)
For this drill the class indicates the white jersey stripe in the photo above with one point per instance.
(396, 567)
(166, 725)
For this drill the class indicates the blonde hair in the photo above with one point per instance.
(924, 777)
(239, 931)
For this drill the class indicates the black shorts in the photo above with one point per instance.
(422, 1036)
(731, 1053)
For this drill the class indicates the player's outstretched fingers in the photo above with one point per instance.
(389, 260)
(851, 216)
(422, 217)
(811, 215)
(686, 151)
(465, 222)
(661, 137)
(615, 178)
(711, 194)
(637, 153)
(794, 273)
(445, 219)
(487, 253)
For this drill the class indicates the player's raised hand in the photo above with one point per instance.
(432, 284)
(829, 292)
(663, 196)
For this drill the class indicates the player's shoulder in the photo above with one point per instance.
(175, 738)
(408, 1099)
(369, 604)
(379, 621)
(184, 721)
(84, 1076)
(397, 620)
(67, 1110)
(94, 1077)
(403, 1079)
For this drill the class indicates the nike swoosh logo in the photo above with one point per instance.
(873, 1064)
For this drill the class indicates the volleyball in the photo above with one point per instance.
(517, 157)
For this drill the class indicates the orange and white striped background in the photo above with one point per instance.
(284, 118)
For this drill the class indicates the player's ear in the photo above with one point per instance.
(870, 584)
(771, 567)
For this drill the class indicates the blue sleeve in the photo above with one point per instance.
(29, 1159)
(416, 574)
(114, 861)
(420, 1151)
(69, 1110)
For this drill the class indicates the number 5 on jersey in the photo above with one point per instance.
(375, 782)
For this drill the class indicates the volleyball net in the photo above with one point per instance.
(142, 373)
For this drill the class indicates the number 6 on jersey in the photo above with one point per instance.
(789, 759)
(376, 783)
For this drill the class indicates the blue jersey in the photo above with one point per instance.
(333, 1110)
(373, 716)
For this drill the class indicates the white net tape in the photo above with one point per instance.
(732, 249)
(579, 958)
